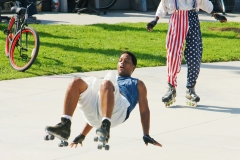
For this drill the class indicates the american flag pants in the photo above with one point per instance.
(184, 26)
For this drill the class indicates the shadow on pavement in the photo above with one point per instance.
(203, 65)
(211, 108)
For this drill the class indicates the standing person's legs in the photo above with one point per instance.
(178, 28)
(193, 50)
(193, 56)
(177, 31)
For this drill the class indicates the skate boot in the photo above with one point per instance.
(103, 134)
(169, 97)
(192, 97)
(61, 131)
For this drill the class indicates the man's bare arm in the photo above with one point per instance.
(143, 107)
(86, 129)
(145, 114)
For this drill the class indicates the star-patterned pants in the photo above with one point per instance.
(184, 26)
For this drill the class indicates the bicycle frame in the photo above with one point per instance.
(22, 42)
(21, 20)
(21, 25)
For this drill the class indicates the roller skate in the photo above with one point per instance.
(191, 97)
(61, 131)
(169, 97)
(103, 134)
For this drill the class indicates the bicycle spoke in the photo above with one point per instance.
(24, 49)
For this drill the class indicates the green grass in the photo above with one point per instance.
(71, 48)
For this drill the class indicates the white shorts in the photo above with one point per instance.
(89, 103)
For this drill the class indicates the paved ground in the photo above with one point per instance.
(210, 131)
(115, 17)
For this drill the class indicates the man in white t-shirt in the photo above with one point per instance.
(183, 26)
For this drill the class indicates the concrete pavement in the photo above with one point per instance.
(116, 17)
(210, 131)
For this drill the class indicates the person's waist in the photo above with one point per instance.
(181, 10)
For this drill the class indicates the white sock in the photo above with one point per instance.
(106, 118)
(67, 116)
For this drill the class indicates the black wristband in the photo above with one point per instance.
(79, 139)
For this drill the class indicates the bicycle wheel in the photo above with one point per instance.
(24, 49)
(152, 4)
(221, 6)
(105, 4)
(10, 34)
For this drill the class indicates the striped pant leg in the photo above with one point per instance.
(193, 50)
(177, 31)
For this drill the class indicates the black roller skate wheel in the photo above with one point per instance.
(51, 137)
(99, 146)
(46, 138)
(102, 139)
(60, 145)
(65, 143)
(107, 147)
(95, 139)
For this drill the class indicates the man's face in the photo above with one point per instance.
(125, 65)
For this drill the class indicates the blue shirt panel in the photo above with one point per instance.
(128, 87)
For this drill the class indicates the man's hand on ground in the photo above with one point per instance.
(147, 139)
(77, 140)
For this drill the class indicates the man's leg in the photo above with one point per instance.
(107, 98)
(193, 50)
(177, 31)
(75, 88)
(193, 55)
(107, 105)
(62, 130)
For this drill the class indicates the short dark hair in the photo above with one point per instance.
(134, 59)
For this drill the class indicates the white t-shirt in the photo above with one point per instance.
(168, 6)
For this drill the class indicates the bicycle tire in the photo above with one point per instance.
(22, 58)
(105, 4)
(10, 35)
(35, 4)
(152, 4)
(221, 5)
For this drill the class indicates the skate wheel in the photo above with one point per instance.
(46, 138)
(107, 147)
(51, 137)
(99, 146)
(102, 139)
(167, 104)
(95, 139)
(65, 143)
(191, 103)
